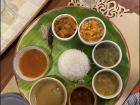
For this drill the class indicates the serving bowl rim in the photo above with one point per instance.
(82, 86)
(119, 79)
(18, 55)
(45, 79)
(95, 42)
(107, 41)
(53, 30)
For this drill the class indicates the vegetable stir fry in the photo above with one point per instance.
(65, 27)
(91, 30)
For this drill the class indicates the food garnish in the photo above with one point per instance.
(50, 39)
(44, 32)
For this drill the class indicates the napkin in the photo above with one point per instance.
(134, 97)
(24, 9)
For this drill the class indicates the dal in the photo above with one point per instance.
(106, 83)
(49, 93)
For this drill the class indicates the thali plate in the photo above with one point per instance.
(31, 36)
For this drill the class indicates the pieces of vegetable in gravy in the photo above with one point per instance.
(65, 27)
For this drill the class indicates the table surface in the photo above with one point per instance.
(7, 71)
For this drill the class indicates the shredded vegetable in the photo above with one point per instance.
(91, 30)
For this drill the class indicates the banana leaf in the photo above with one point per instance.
(33, 38)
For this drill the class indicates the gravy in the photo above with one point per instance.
(32, 63)
(82, 96)
(49, 93)
(106, 83)
(106, 54)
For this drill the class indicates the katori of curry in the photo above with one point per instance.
(49, 93)
(32, 63)
(65, 27)
(82, 96)
(106, 83)
(106, 54)
(91, 30)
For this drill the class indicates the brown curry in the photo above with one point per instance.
(106, 83)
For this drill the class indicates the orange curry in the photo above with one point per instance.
(32, 63)
(91, 30)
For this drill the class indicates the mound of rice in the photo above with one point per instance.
(73, 64)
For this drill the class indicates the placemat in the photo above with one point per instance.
(25, 10)
(128, 24)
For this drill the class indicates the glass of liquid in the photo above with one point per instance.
(7, 15)
(89, 3)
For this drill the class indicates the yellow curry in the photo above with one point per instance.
(106, 83)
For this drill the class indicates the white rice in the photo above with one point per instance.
(73, 64)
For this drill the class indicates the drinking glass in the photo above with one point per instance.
(7, 15)
(89, 3)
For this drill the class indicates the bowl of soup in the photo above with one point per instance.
(82, 95)
(107, 83)
(48, 91)
(64, 27)
(31, 63)
(106, 54)
(91, 31)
